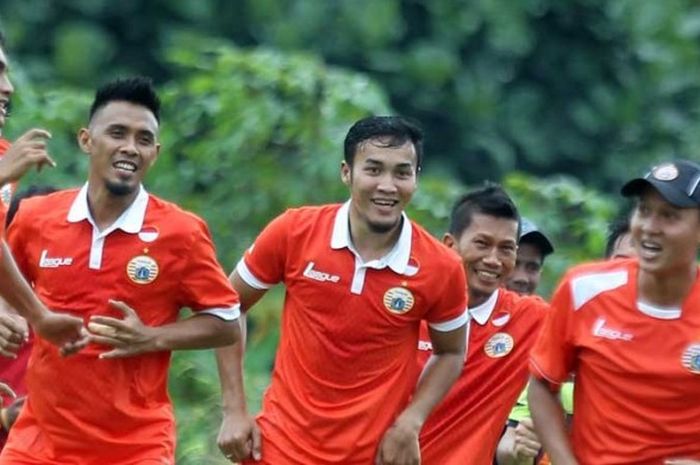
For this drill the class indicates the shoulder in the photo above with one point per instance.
(167, 213)
(523, 308)
(430, 251)
(55, 204)
(590, 280)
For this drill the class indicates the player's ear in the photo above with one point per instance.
(346, 173)
(84, 140)
(449, 240)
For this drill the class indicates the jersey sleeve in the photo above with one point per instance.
(263, 264)
(450, 310)
(552, 357)
(204, 285)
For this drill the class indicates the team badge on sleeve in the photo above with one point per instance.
(499, 345)
(398, 300)
(142, 269)
(691, 358)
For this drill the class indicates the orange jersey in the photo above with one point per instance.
(637, 367)
(157, 258)
(345, 365)
(466, 426)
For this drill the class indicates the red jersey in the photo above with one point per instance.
(345, 365)
(156, 258)
(466, 426)
(637, 367)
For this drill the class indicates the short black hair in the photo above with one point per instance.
(490, 199)
(618, 227)
(138, 90)
(394, 129)
(31, 191)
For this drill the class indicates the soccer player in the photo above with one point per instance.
(533, 248)
(360, 277)
(16, 159)
(628, 330)
(466, 425)
(126, 262)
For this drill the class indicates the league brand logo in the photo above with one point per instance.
(53, 262)
(499, 345)
(142, 269)
(691, 358)
(398, 300)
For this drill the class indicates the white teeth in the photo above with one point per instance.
(385, 203)
(487, 274)
(125, 165)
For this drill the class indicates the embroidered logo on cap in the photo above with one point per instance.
(691, 358)
(398, 300)
(499, 345)
(142, 269)
(665, 172)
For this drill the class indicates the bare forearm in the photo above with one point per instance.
(229, 361)
(439, 374)
(548, 416)
(196, 332)
(15, 289)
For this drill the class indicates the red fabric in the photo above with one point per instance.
(87, 411)
(636, 397)
(466, 426)
(345, 365)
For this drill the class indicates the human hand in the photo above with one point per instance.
(65, 331)
(128, 336)
(27, 151)
(13, 332)
(525, 441)
(239, 437)
(399, 446)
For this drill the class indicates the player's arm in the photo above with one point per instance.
(239, 436)
(63, 330)
(130, 336)
(550, 423)
(400, 442)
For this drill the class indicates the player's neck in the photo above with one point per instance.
(666, 290)
(105, 207)
(372, 245)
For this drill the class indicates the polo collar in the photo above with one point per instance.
(396, 259)
(482, 313)
(130, 221)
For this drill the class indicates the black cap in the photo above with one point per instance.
(529, 232)
(677, 181)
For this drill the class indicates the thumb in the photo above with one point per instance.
(257, 443)
(7, 390)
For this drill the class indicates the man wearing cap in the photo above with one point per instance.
(533, 247)
(630, 332)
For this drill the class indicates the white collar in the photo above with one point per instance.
(482, 313)
(396, 259)
(130, 221)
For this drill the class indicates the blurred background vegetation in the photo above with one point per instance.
(560, 100)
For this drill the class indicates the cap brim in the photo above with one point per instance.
(538, 239)
(679, 199)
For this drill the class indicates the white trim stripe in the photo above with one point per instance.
(672, 313)
(226, 314)
(249, 278)
(585, 288)
(452, 324)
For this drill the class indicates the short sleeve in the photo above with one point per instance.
(263, 264)
(450, 310)
(204, 285)
(552, 357)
